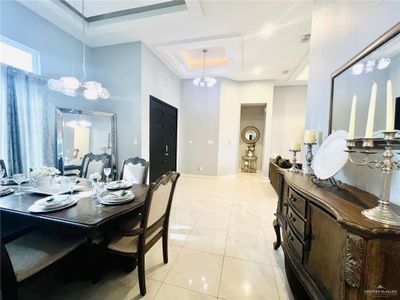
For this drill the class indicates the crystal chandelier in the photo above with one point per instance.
(71, 86)
(204, 80)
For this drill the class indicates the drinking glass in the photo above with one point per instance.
(19, 178)
(72, 183)
(107, 172)
(100, 188)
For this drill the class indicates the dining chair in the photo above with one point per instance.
(3, 166)
(134, 237)
(27, 253)
(84, 164)
(135, 169)
(97, 163)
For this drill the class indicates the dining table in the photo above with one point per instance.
(85, 216)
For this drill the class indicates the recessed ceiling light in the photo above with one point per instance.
(267, 31)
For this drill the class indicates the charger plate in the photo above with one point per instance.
(331, 157)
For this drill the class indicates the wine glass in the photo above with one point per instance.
(107, 172)
(72, 182)
(19, 178)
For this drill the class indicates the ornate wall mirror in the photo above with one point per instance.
(378, 63)
(250, 135)
(79, 132)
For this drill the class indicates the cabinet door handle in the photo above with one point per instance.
(166, 150)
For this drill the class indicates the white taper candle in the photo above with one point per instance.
(369, 130)
(389, 107)
(352, 124)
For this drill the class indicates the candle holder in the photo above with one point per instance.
(294, 168)
(382, 213)
(307, 170)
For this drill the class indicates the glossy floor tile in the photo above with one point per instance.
(243, 279)
(220, 247)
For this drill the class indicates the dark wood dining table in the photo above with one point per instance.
(84, 216)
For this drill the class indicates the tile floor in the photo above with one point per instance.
(221, 239)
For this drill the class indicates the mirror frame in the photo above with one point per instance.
(388, 35)
(59, 147)
(244, 135)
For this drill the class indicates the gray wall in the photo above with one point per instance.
(340, 29)
(199, 123)
(253, 115)
(289, 118)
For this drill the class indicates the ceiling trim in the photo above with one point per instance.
(124, 12)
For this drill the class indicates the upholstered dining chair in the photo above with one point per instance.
(26, 253)
(84, 164)
(135, 170)
(3, 166)
(133, 238)
(97, 163)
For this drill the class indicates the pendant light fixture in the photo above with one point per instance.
(71, 86)
(204, 80)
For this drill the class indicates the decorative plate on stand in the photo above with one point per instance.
(331, 157)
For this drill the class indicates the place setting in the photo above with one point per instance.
(53, 203)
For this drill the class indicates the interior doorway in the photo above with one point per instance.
(163, 138)
(250, 158)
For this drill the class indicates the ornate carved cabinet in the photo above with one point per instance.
(331, 250)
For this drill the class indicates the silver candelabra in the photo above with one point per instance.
(307, 169)
(294, 168)
(383, 212)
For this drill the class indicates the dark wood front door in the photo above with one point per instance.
(163, 136)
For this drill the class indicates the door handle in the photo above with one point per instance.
(166, 150)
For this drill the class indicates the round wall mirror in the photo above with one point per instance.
(250, 135)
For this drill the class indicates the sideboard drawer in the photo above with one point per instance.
(296, 222)
(295, 243)
(298, 202)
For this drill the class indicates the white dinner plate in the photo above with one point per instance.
(331, 157)
(42, 209)
(53, 191)
(53, 201)
(6, 192)
(115, 201)
(118, 185)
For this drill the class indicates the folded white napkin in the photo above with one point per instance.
(53, 201)
(120, 195)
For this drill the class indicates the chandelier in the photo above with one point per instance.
(204, 80)
(71, 86)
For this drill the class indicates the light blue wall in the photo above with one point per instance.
(117, 67)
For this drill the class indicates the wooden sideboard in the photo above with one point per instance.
(331, 250)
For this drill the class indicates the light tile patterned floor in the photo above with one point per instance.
(221, 239)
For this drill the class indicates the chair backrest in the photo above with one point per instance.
(159, 201)
(3, 165)
(85, 161)
(97, 163)
(135, 170)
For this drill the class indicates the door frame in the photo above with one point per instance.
(155, 99)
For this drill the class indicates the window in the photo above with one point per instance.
(19, 56)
